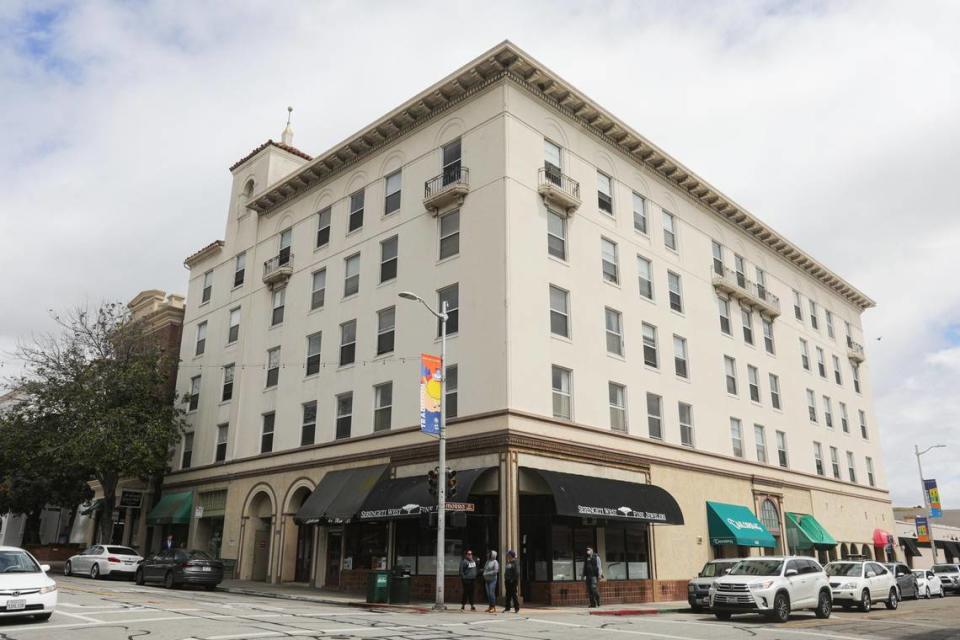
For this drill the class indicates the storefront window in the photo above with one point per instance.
(638, 553)
(562, 545)
(369, 546)
(616, 564)
(583, 537)
(406, 535)
(770, 517)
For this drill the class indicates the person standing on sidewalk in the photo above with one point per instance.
(591, 575)
(511, 576)
(468, 579)
(491, 571)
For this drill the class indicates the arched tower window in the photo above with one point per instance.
(770, 517)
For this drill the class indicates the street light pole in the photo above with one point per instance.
(923, 490)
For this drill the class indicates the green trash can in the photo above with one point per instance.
(400, 587)
(378, 586)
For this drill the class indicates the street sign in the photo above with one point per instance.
(198, 512)
(923, 531)
(130, 498)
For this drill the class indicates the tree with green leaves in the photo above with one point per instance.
(97, 405)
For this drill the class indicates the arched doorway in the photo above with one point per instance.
(865, 550)
(770, 517)
(258, 527)
(844, 551)
(298, 540)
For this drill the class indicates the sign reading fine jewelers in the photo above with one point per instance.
(431, 391)
(621, 512)
(414, 509)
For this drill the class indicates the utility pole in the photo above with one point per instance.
(926, 504)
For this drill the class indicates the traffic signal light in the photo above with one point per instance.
(432, 479)
(451, 483)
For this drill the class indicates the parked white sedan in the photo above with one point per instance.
(103, 560)
(25, 588)
(928, 584)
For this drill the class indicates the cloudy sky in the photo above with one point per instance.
(838, 123)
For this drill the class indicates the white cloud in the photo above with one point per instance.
(835, 122)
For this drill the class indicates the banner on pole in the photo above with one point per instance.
(923, 530)
(931, 495)
(431, 392)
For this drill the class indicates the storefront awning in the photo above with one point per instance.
(736, 524)
(339, 495)
(592, 497)
(408, 497)
(950, 547)
(804, 532)
(881, 538)
(173, 508)
(910, 546)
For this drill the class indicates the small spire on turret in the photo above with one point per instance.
(287, 136)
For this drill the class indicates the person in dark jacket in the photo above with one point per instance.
(468, 578)
(511, 577)
(591, 575)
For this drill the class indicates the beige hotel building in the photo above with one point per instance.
(636, 362)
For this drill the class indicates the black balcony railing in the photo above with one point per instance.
(451, 177)
(276, 262)
(553, 176)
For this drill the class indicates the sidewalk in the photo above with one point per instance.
(304, 593)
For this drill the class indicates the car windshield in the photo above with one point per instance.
(17, 562)
(714, 569)
(945, 568)
(122, 551)
(200, 555)
(845, 569)
(758, 568)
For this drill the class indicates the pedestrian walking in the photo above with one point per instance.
(511, 577)
(468, 579)
(491, 571)
(168, 543)
(591, 574)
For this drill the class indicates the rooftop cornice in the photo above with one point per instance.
(270, 143)
(209, 250)
(506, 60)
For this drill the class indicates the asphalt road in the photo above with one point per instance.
(110, 610)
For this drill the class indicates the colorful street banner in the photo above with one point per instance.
(923, 530)
(431, 391)
(931, 495)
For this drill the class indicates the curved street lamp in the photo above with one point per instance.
(923, 489)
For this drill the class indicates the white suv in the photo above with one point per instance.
(855, 582)
(949, 575)
(772, 586)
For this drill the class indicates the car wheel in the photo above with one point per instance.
(138, 577)
(95, 571)
(43, 617)
(168, 580)
(210, 587)
(865, 601)
(926, 594)
(67, 568)
(824, 605)
(781, 607)
(696, 608)
(722, 615)
(893, 601)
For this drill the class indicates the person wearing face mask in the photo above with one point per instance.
(491, 572)
(511, 576)
(591, 575)
(468, 578)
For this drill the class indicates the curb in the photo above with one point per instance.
(342, 603)
(639, 612)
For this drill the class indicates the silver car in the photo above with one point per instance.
(698, 589)
(102, 560)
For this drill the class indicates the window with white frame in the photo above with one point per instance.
(761, 283)
(811, 405)
(844, 421)
(669, 231)
(645, 277)
(386, 329)
(730, 372)
(450, 391)
(717, 257)
(286, 242)
(855, 369)
(348, 342)
(279, 302)
(863, 424)
(382, 406)
(797, 306)
(220, 450)
(226, 393)
(193, 400)
(821, 363)
(724, 306)
(392, 186)
(266, 432)
(782, 449)
(233, 325)
(768, 335)
(639, 213)
(605, 193)
(609, 261)
(356, 211)
(836, 370)
(452, 154)
(655, 416)
(753, 381)
(835, 462)
(814, 321)
(740, 267)
(207, 287)
(774, 391)
(828, 318)
(449, 234)
(676, 295)
(746, 317)
(201, 344)
(318, 289)
(618, 406)
(556, 235)
(680, 364)
(804, 354)
(323, 227)
(187, 458)
(239, 268)
(828, 412)
(559, 312)
(552, 166)
(562, 385)
(344, 415)
(818, 458)
(871, 479)
(650, 357)
(314, 341)
(851, 467)
(308, 428)
(760, 436)
(389, 249)
(685, 414)
(736, 437)
(351, 275)
(450, 295)
(273, 367)
(614, 331)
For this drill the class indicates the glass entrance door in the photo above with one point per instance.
(334, 547)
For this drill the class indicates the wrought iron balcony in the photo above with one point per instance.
(558, 190)
(749, 293)
(278, 269)
(448, 188)
(855, 351)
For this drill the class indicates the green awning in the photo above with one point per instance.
(173, 508)
(804, 532)
(736, 524)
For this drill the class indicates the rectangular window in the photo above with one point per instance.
(871, 480)
(323, 227)
(356, 211)
(855, 369)
(761, 438)
(551, 162)
(736, 437)
(782, 449)
(614, 324)
(388, 259)
(827, 412)
(761, 283)
(351, 275)
(821, 364)
(308, 430)
(266, 433)
(836, 370)
(863, 424)
(559, 312)
(645, 276)
(449, 234)
(604, 193)
(239, 268)
(207, 287)
(187, 451)
(650, 357)
(201, 344)
(348, 342)
(318, 289)
(811, 405)
(561, 385)
(227, 392)
(610, 262)
(639, 213)
(233, 331)
(746, 317)
(768, 335)
(450, 391)
(804, 354)
(556, 235)
(753, 380)
(220, 453)
(851, 467)
(813, 315)
(386, 322)
(828, 317)
(740, 266)
(391, 201)
(618, 406)
(680, 357)
(724, 306)
(835, 462)
(676, 296)
(717, 258)
(818, 457)
(730, 370)
(844, 421)
(452, 154)
(314, 341)
(382, 406)
(450, 295)
(279, 302)
(669, 231)
(344, 414)
(273, 367)
(774, 391)
(685, 412)
(655, 416)
(194, 397)
(286, 241)
(849, 332)
(797, 308)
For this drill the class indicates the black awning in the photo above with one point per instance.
(910, 546)
(952, 548)
(592, 497)
(408, 497)
(339, 495)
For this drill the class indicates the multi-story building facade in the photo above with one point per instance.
(636, 363)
